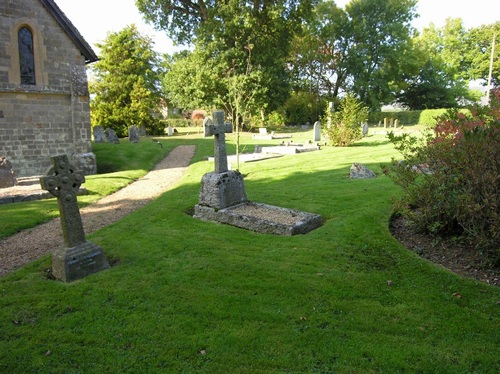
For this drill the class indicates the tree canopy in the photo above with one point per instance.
(125, 89)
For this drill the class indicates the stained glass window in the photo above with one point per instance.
(26, 56)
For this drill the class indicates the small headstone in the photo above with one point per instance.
(317, 131)
(133, 134)
(360, 171)
(7, 175)
(396, 123)
(98, 134)
(170, 130)
(111, 136)
(385, 122)
(365, 129)
(142, 130)
(79, 258)
(262, 131)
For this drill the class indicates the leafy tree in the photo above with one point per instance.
(378, 51)
(433, 88)
(125, 87)
(225, 30)
(319, 53)
(478, 53)
(363, 49)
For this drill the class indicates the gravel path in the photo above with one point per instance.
(31, 244)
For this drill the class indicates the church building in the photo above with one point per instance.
(44, 96)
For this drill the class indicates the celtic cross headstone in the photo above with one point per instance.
(79, 258)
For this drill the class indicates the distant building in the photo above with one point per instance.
(44, 97)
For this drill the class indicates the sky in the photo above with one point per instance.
(94, 19)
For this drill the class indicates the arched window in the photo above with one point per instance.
(26, 56)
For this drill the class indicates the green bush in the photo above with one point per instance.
(451, 178)
(345, 123)
(407, 117)
(302, 107)
(427, 117)
(181, 122)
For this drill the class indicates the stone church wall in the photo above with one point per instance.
(53, 116)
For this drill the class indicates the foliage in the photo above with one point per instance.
(125, 88)
(451, 178)
(223, 33)
(478, 53)
(427, 117)
(440, 76)
(363, 49)
(433, 88)
(405, 117)
(303, 107)
(344, 125)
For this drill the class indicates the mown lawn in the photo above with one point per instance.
(187, 296)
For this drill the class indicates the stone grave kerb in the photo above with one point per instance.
(79, 258)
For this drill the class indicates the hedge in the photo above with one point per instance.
(427, 117)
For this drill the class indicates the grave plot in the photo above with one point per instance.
(223, 198)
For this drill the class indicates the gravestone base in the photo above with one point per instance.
(220, 190)
(69, 264)
(262, 218)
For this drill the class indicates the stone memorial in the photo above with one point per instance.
(317, 131)
(98, 134)
(111, 136)
(364, 128)
(7, 175)
(170, 130)
(223, 198)
(360, 171)
(79, 258)
(142, 130)
(222, 187)
(133, 134)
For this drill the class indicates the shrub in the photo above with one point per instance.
(345, 123)
(302, 107)
(451, 177)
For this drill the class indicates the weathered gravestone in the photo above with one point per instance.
(79, 258)
(7, 175)
(133, 134)
(98, 134)
(142, 130)
(364, 128)
(360, 171)
(222, 187)
(170, 130)
(317, 131)
(111, 136)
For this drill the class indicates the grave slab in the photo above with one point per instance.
(262, 218)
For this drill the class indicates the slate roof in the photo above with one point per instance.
(71, 30)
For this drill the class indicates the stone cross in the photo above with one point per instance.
(218, 130)
(63, 181)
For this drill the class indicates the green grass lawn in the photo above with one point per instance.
(187, 296)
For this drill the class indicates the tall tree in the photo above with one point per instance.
(363, 49)
(125, 85)
(225, 30)
(379, 48)
(478, 56)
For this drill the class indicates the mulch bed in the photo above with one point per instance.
(457, 257)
